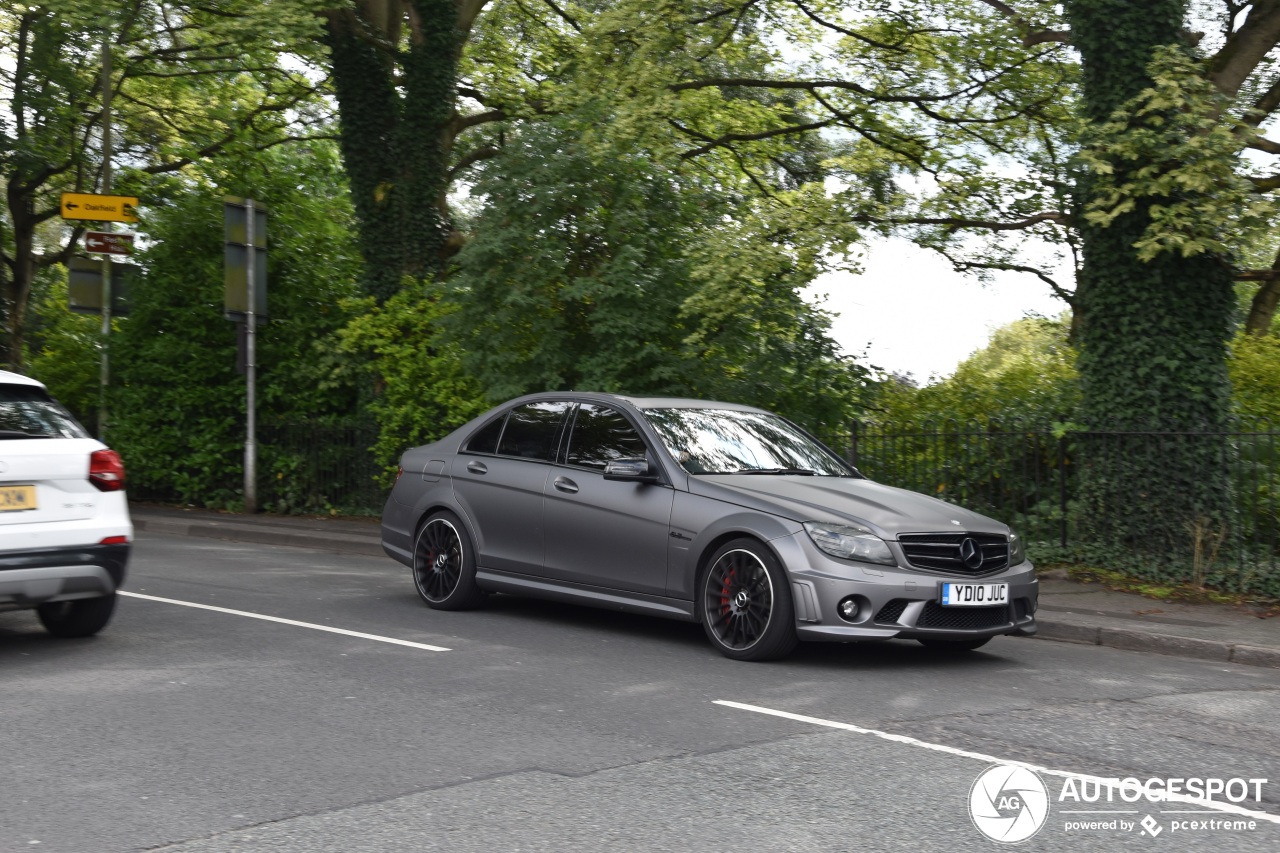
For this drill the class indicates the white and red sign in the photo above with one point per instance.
(106, 243)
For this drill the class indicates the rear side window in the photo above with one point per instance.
(486, 440)
(532, 430)
(28, 412)
(602, 435)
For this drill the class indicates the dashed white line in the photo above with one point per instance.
(293, 622)
(991, 759)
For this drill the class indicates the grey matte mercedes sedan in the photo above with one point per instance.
(715, 513)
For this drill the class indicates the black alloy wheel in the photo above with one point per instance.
(444, 567)
(746, 603)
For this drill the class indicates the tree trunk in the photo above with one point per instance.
(1154, 334)
(17, 286)
(395, 145)
(1263, 308)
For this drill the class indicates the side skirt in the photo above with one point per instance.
(492, 580)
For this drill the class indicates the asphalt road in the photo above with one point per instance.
(546, 727)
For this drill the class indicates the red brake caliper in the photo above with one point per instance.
(725, 588)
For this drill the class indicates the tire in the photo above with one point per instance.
(744, 602)
(83, 617)
(954, 646)
(444, 564)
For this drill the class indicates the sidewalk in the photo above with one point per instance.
(1069, 611)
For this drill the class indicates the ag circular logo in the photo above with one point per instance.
(1008, 804)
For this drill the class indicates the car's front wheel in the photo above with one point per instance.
(444, 564)
(83, 617)
(955, 645)
(745, 603)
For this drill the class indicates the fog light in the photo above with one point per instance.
(849, 609)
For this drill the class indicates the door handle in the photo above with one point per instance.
(477, 468)
(564, 484)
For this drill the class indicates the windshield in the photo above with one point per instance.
(721, 441)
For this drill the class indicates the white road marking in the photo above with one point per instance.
(991, 759)
(293, 622)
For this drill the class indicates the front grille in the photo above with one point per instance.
(941, 552)
(935, 615)
(892, 611)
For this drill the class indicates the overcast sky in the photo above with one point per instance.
(911, 313)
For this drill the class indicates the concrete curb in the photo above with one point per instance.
(257, 534)
(1162, 644)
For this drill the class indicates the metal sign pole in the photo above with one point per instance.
(251, 367)
(105, 372)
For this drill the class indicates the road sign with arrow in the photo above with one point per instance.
(107, 243)
(99, 208)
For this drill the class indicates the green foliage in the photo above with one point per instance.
(603, 269)
(177, 405)
(65, 350)
(179, 96)
(1176, 146)
(574, 274)
(1025, 373)
(423, 390)
(1255, 377)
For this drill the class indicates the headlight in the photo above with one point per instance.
(1017, 554)
(850, 542)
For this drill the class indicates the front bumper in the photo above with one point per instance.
(895, 602)
(41, 575)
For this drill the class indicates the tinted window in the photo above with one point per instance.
(27, 412)
(486, 440)
(601, 435)
(532, 429)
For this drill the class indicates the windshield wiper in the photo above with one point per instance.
(17, 433)
(802, 472)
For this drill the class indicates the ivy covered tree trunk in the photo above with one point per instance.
(396, 99)
(1154, 333)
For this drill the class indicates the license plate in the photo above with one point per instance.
(974, 594)
(17, 498)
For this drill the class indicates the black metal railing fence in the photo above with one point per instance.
(1030, 476)
(308, 468)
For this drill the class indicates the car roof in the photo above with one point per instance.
(8, 378)
(638, 402)
(682, 403)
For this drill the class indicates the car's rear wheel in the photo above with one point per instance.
(745, 603)
(444, 564)
(83, 617)
(954, 645)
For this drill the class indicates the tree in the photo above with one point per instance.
(604, 268)
(188, 81)
(1025, 374)
(423, 97)
(1105, 128)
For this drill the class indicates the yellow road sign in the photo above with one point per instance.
(100, 208)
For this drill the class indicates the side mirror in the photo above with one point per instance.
(630, 470)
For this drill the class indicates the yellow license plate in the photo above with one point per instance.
(17, 498)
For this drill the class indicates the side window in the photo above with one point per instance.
(485, 440)
(531, 431)
(601, 435)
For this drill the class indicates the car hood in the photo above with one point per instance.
(889, 511)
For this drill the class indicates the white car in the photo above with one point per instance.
(65, 531)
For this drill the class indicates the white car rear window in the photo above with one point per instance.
(28, 412)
